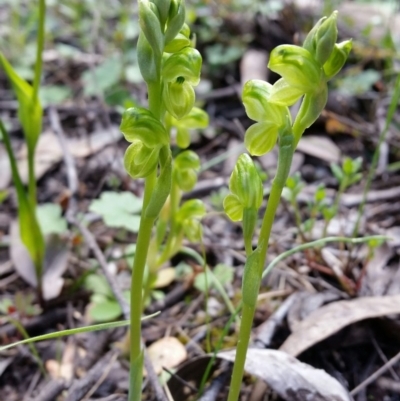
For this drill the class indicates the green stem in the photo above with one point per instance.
(142, 247)
(39, 51)
(241, 351)
(32, 190)
(286, 151)
(173, 235)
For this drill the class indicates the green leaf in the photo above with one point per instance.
(50, 219)
(31, 235)
(223, 273)
(118, 209)
(98, 285)
(54, 94)
(63, 333)
(358, 83)
(104, 311)
(29, 111)
(102, 77)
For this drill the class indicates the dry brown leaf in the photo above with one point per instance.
(49, 151)
(320, 147)
(290, 378)
(55, 262)
(329, 319)
(5, 176)
(165, 277)
(167, 352)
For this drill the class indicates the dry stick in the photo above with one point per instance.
(91, 241)
(101, 379)
(375, 375)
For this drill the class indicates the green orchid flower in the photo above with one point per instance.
(147, 136)
(196, 119)
(181, 72)
(186, 165)
(261, 137)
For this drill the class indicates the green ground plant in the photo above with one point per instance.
(305, 72)
(30, 116)
(170, 66)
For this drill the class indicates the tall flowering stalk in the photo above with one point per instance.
(305, 72)
(171, 68)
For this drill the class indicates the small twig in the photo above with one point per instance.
(180, 380)
(375, 375)
(72, 176)
(266, 331)
(101, 379)
(93, 245)
(51, 390)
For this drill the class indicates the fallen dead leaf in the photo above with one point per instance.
(165, 277)
(320, 147)
(329, 319)
(49, 151)
(290, 378)
(167, 352)
(5, 176)
(55, 262)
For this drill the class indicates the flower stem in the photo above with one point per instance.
(241, 351)
(286, 150)
(142, 247)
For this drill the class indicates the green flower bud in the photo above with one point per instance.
(246, 188)
(310, 40)
(184, 66)
(185, 166)
(321, 39)
(146, 60)
(297, 66)
(176, 19)
(163, 9)
(178, 98)
(150, 26)
(140, 160)
(140, 124)
(326, 38)
(337, 58)
(311, 107)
